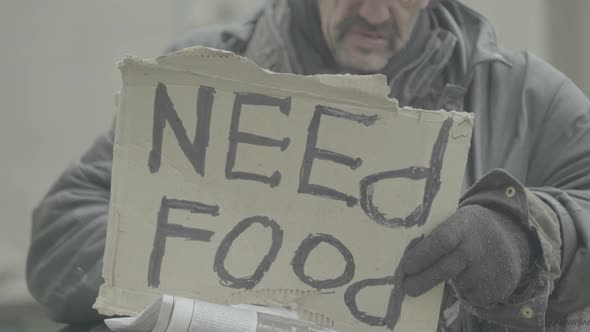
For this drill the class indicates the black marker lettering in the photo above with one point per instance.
(307, 246)
(164, 111)
(165, 230)
(226, 279)
(235, 136)
(396, 297)
(431, 174)
(312, 152)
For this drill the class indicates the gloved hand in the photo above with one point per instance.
(483, 252)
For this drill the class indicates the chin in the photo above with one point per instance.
(361, 62)
(366, 65)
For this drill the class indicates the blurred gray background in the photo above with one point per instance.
(58, 77)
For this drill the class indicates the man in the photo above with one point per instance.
(515, 254)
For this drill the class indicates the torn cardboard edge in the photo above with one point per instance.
(362, 90)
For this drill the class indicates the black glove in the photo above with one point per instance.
(484, 253)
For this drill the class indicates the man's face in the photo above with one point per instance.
(364, 34)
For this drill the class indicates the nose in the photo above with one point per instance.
(375, 11)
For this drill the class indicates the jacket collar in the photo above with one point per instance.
(460, 40)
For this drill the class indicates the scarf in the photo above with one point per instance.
(412, 73)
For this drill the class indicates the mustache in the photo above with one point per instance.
(387, 28)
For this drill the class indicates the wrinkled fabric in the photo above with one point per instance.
(68, 237)
(530, 121)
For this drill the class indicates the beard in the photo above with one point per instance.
(371, 61)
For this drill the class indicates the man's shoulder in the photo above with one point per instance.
(531, 66)
(522, 72)
(231, 37)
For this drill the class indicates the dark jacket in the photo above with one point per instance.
(530, 120)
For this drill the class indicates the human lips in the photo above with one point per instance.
(367, 39)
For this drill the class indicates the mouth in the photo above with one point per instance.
(368, 40)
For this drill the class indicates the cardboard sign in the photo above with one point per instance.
(232, 185)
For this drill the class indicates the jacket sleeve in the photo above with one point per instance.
(556, 203)
(526, 308)
(546, 149)
(68, 237)
(561, 162)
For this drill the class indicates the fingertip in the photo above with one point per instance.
(406, 261)
(411, 263)
(413, 288)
